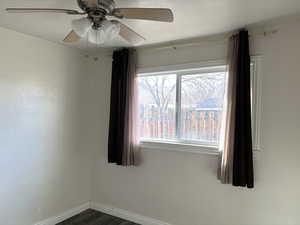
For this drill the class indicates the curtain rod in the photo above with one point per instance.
(201, 41)
(226, 37)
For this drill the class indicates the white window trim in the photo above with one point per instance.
(257, 103)
(202, 67)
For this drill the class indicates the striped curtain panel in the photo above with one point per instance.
(236, 159)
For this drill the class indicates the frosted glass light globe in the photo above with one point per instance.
(96, 36)
(81, 26)
(111, 29)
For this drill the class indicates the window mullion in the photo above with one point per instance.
(178, 106)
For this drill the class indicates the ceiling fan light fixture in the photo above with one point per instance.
(109, 30)
(81, 26)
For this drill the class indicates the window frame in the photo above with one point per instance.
(198, 68)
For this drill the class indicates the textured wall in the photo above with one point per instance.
(182, 188)
(44, 170)
(55, 110)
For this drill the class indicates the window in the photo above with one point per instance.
(181, 107)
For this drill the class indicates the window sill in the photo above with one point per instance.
(179, 147)
(188, 148)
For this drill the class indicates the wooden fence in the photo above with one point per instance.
(196, 124)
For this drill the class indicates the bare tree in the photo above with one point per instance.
(161, 89)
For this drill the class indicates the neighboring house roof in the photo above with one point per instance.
(210, 103)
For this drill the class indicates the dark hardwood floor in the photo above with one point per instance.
(93, 217)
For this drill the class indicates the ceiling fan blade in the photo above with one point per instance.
(129, 35)
(156, 14)
(44, 10)
(72, 37)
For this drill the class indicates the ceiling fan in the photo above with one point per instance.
(97, 25)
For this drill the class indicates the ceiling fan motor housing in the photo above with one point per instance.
(92, 5)
(97, 10)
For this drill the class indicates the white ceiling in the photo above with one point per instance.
(193, 18)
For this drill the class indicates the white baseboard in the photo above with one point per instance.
(124, 214)
(66, 215)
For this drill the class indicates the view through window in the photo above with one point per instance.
(183, 106)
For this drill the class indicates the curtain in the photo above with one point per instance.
(236, 161)
(123, 139)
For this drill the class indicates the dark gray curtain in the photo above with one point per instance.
(236, 163)
(243, 152)
(123, 138)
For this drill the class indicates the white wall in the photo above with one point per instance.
(182, 188)
(44, 169)
(55, 110)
